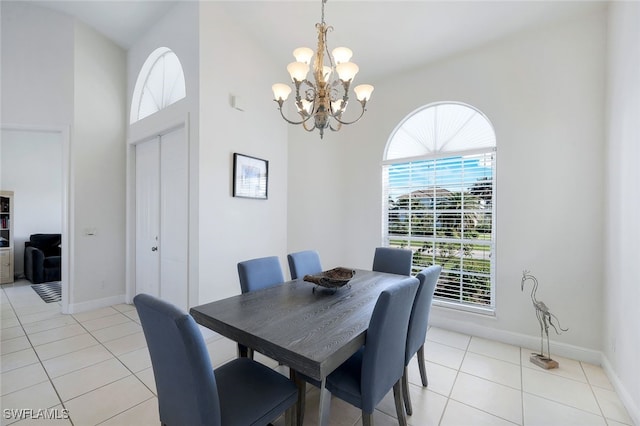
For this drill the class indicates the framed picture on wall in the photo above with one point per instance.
(250, 177)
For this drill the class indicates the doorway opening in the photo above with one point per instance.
(35, 167)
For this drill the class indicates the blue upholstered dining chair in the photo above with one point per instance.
(392, 260)
(418, 322)
(304, 263)
(263, 272)
(256, 274)
(368, 375)
(241, 392)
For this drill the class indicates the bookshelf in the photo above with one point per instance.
(6, 237)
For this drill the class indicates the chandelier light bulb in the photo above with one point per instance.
(281, 91)
(303, 54)
(341, 54)
(298, 71)
(347, 71)
(363, 92)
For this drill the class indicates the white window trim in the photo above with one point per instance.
(480, 309)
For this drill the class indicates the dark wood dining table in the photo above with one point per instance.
(310, 329)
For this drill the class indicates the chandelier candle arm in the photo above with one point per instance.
(326, 98)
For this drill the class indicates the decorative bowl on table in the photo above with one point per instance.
(332, 279)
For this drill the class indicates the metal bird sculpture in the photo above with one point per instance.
(545, 317)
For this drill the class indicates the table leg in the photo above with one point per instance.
(302, 395)
(243, 351)
(324, 407)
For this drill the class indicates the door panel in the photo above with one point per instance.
(174, 202)
(148, 217)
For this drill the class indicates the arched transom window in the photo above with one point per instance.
(438, 186)
(160, 83)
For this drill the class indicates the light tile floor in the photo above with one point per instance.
(96, 365)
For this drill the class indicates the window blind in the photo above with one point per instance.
(443, 210)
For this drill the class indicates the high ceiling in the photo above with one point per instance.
(385, 36)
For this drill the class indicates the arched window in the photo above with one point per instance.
(160, 83)
(438, 186)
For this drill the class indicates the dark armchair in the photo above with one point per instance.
(42, 258)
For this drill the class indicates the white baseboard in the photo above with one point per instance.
(516, 339)
(632, 407)
(75, 308)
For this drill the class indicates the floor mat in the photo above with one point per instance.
(49, 292)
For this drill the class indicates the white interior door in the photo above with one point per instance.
(162, 218)
(148, 217)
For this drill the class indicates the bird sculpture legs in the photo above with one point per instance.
(541, 321)
(545, 319)
(544, 331)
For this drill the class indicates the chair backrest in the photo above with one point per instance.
(48, 243)
(383, 358)
(185, 382)
(304, 263)
(256, 274)
(419, 319)
(393, 260)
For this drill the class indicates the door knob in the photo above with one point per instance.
(154, 248)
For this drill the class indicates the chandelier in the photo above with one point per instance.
(326, 98)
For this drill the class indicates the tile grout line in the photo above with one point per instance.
(98, 343)
(446, 404)
(115, 357)
(130, 408)
(593, 393)
(39, 360)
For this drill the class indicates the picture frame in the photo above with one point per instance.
(250, 177)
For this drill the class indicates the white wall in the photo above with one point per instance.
(235, 229)
(37, 66)
(319, 195)
(98, 164)
(621, 342)
(30, 165)
(37, 83)
(58, 73)
(544, 91)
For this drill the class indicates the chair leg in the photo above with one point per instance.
(289, 415)
(423, 370)
(405, 392)
(397, 396)
(367, 419)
